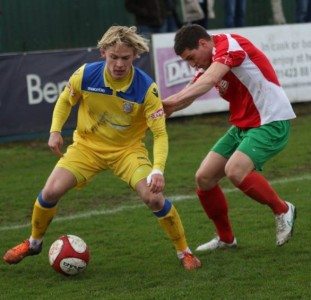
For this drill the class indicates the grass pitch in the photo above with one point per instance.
(131, 258)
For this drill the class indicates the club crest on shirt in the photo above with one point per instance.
(128, 107)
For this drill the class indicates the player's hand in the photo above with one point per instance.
(168, 106)
(56, 142)
(155, 181)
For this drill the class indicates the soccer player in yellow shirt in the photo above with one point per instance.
(117, 104)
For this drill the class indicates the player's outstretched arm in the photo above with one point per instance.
(174, 103)
(201, 86)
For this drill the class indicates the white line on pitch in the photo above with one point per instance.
(130, 207)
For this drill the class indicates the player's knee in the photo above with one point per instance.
(203, 181)
(200, 178)
(153, 201)
(50, 196)
(234, 174)
(52, 193)
(54, 189)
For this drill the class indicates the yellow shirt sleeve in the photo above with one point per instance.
(67, 99)
(156, 122)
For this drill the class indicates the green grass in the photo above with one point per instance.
(130, 256)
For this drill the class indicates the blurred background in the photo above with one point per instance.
(44, 25)
(42, 42)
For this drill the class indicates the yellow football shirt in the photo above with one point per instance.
(113, 114)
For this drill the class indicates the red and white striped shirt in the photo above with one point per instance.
(251, 86)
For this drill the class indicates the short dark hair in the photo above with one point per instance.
(188, 36)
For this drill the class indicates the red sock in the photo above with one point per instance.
(215, 206)
(257, 187)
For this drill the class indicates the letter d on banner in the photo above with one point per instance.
(34, 91)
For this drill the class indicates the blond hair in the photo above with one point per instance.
(124, 35)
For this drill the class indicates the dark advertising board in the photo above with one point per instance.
(30, 84)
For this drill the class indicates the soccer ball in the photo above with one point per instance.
(69, 255)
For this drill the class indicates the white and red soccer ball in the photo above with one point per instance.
(69, 255)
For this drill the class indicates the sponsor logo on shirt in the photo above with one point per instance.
(222, 87)
(98, 90)
(159, 113)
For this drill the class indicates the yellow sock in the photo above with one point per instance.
(41, 218)
(173, 227)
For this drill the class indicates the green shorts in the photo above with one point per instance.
(259, 144)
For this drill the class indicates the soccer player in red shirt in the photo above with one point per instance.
(259, 113)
